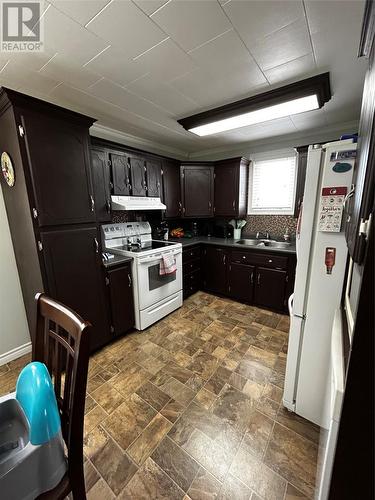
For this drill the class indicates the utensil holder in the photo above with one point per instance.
(237, 234)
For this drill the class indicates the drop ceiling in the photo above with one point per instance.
(139, 66)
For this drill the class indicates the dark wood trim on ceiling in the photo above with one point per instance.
(368, 30)
(319, 84)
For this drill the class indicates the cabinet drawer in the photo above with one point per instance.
(191, 282)
(261, 259)
(191, 266)
(191, 253)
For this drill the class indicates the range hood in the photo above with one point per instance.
(136, 203)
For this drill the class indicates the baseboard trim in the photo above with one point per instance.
(15, 353)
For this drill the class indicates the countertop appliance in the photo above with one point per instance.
(155, 295)
(321, 261)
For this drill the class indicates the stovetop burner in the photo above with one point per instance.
(153, 245)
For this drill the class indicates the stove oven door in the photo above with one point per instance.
(152, 286)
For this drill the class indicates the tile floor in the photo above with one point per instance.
(191, 409)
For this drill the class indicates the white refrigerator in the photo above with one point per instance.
(320, 272)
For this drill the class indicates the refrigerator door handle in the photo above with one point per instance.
(302, 316)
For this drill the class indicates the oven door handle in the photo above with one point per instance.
(146, 260)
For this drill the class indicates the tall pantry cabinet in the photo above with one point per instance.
(51, 207)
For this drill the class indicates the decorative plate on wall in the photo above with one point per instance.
(7, 169)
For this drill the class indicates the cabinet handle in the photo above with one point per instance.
(258, 280)
(209, 205)
(92, 202)
(234, 204)
(244, 256)
(179, 206)
(252, 278)
(224, 259)
(96, 243)
(270, 260)
(130, 280)
(108, 205)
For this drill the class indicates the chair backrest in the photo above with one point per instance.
(62, 343)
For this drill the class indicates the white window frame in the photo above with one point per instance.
(270, 156)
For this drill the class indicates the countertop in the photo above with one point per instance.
(117, 259)
(226, 242)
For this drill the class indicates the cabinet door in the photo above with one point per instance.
(172, 189)
(121, 298)
(153, 172)
(215, 269)
(72, 261)
(120, 174)
(241, 282)
(269, 288)
(137, 175)
(226, 190)
(101, 181)
(198, 189)
(58, 156)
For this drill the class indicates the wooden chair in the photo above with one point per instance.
(62, 343)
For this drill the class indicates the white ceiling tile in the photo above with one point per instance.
(124, 25)
(128, 101)
(191, 23)
(297, 68)
(114, 65)
(310, 119)
(166, 61)
(63, 69)
(255, 19)
(16, 75)
(203, 87)
(65, 36)
(81, 11)
(226, 53)
(283, 46)
(163, 95)
(150, 6)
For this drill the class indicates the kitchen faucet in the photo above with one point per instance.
(266, 235)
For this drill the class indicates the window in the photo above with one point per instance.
(272, 184)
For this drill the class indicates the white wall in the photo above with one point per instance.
(14, 332)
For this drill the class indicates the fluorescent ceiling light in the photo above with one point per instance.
(298, 97)
(293, 107)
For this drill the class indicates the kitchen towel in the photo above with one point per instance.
(167, 265)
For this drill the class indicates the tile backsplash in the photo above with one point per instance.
(274, 224)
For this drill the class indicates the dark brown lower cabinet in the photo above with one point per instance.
(73, 266)
(119, 282)
(269, 288)
(241, 282)
(215, 269)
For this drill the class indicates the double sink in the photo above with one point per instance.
(264, 242)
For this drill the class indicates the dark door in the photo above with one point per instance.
(215, 269)
(198, 190)
(58, 155)
(72, 261)
(172, 189)
(101, 182)
(226, 190)
(121, 298)
(241, 282)
(153, 172)
(269, 288)
(137, 175)
(120, 174)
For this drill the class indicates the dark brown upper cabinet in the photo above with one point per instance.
(137, 175)
(101, 181)
(172, 189)
(72, 261)
(57, 153)
(197, 187)
(269, 288)
(302, 152)
(231, 185)
(120, 174)
(154, 179)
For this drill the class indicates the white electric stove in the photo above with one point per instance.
(155, 295)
